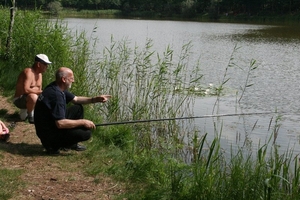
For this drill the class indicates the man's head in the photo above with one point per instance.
(64, 77)
(42, 61)
(42, 58)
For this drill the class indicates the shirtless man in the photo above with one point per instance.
(29, 86)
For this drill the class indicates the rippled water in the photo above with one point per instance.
(276, 51)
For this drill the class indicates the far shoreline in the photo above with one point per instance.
(222, 18)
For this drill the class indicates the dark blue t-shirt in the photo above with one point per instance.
(50, 106)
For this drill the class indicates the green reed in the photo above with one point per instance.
(172, 160)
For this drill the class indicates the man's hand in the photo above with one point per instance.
(102, 98)
(88, 124)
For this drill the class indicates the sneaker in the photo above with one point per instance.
(31, 119)
(78, 147)
(52, 151)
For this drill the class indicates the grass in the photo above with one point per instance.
(9, 182)
(164, 160)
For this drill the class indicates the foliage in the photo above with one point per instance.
(55, 7)
(190, 9)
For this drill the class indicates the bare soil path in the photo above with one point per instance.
(47, 177)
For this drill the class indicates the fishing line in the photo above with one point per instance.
(181, 118)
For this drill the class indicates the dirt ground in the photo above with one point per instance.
(47, 177)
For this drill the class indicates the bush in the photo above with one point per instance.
(55, 7)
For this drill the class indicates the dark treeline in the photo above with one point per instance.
(188, 8)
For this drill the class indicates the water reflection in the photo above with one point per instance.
(276, 33)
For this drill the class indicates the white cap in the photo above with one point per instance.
(42, 58)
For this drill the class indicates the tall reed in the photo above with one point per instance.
(170, 160)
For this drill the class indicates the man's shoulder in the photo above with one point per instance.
(51, 86)
(27, 71)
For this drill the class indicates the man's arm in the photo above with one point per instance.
(86, 100)
(29, 79)
(73, 123)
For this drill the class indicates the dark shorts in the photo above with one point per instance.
(21, 102)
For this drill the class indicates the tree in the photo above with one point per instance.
(10, 29)
(55, 7)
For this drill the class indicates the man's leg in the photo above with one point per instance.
(75, 112)
(30, 104)
(21, 103)
(65, 138)
(23, 114)
(70, 137)
(73, 136)
(50, 142)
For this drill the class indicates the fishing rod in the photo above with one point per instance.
(181, 118)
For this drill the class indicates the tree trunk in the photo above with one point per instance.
(10, 29)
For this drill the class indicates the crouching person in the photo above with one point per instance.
(29, 86)
(58, 126)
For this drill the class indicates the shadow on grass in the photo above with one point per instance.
(22, 149)
(27, 150)
(11, 118)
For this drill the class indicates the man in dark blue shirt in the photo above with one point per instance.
(58, 126)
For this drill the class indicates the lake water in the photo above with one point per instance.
(276, 50)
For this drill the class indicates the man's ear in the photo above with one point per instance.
(63, 79)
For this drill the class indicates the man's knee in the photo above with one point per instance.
(78, 108)
(32, 98)
(75, 112)
(87, 136)
(20, 102)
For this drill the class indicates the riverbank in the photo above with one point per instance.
(27, 172)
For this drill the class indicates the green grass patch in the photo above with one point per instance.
(9, 183)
